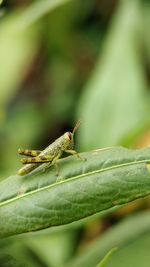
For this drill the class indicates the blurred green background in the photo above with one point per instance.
(65, 60)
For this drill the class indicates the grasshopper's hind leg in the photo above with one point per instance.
(28, 152)
(43, 159)
(38, 159)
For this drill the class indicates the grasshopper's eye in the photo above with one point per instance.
(69, 135)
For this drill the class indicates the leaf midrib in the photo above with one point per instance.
(5, 202)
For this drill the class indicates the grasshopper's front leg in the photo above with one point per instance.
(73, 152)
(54, 162)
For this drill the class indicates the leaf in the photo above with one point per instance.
(123, 234)
(53, 249)
(19, 43)
(145, 30)
(106, 257)
(115, 102)
(37, 10)
(9, 261)
(17, 50)
(135, 253)
(108, 178)
(14, 252)
(27, 112)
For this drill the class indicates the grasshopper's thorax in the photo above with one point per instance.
(68, 141)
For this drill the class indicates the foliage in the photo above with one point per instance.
(62, 60)
(107, 178)
(106, 257)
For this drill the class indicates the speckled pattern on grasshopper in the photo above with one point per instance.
(51, 154)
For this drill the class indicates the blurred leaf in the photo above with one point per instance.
(37, 10)
(108, 178)
(7, 260)
(14, 252)
(26, 123)
(17, 50)
(145, 30)
(135, 253)
(122, 235)
(53, 249)
(114, 104)
(106, 257)
(18, 45)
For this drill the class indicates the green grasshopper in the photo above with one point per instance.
(51, 154)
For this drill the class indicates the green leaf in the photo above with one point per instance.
(17, 50)
(123, 235)
(37, 10)
(145, 30)
(108, 178)
(106, 257)
(135, 253)
(53, 249)
(116, 93)
(19, 43)
(8, 260)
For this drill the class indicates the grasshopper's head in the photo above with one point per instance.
(69, 136)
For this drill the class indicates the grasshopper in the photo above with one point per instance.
(51, 154)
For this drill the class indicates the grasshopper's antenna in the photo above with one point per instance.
(77, 125)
